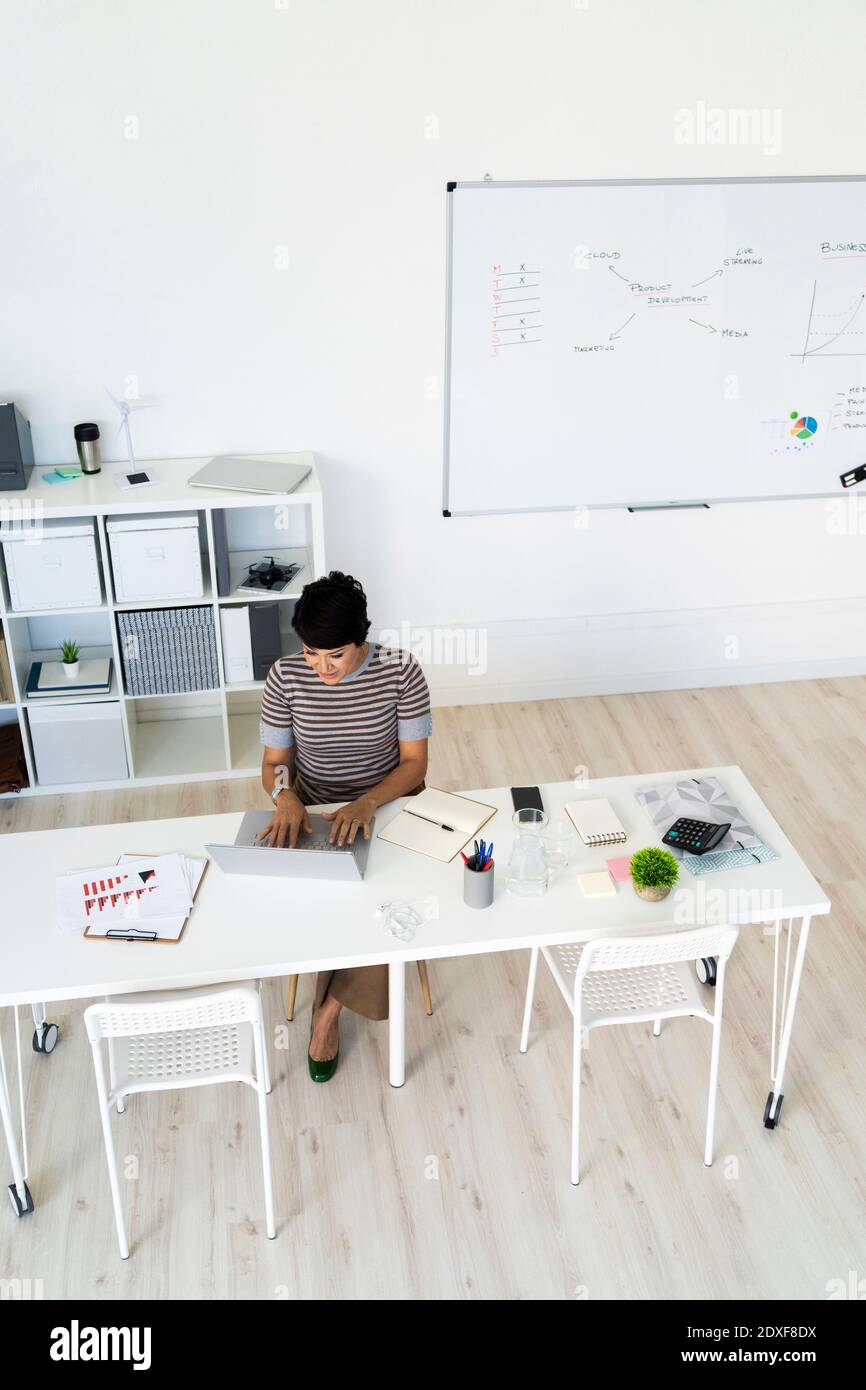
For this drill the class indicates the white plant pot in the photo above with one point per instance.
(70, 669)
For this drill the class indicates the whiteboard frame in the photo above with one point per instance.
(454, 186)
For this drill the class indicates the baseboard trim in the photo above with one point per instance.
(480, 690)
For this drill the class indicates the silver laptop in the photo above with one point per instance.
(234, 474)
(312, 857)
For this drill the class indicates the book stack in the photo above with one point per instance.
(7, 695)
(168, 651)
(47, 680)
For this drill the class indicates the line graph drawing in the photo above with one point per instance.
(831, 333)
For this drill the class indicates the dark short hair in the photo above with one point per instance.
(332, 612)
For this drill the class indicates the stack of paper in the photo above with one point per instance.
(598, 884)
(141, 895)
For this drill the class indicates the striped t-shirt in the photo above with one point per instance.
(345, 736)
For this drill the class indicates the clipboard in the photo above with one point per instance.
(127, 934)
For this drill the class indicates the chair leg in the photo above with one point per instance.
(657, 1028)
(291, 995)
(112, 1076)
(104, 1114)
(266, 1070)
(530, 995)
(425, 986)
(577, 1058)
(265, 1134)
(714, 1063)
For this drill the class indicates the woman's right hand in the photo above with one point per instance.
(289, 819)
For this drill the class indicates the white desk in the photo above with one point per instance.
(249, 928)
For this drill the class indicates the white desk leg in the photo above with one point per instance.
(46, 1034)
(19, 1193)
(397, 1022)
(786, 1010)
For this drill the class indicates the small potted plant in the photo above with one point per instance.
(653, 873)
(69, 652)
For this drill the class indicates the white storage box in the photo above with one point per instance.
(78, 743)
(52, 566)
(155, 557)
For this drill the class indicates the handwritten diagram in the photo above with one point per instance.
(655, 342)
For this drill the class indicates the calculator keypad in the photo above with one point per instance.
(694, 836)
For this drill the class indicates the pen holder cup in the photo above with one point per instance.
(478, 887)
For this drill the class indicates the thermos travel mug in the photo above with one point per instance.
(87, 443)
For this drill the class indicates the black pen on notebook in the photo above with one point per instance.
(438, 824)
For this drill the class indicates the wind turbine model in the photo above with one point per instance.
(126, 408)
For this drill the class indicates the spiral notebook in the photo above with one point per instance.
(596, 822)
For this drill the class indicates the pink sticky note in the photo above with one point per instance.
(620, 869)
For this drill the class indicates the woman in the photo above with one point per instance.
(342, 720)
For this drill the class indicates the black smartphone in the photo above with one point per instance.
(526, 796)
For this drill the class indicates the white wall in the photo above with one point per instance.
(329, 128)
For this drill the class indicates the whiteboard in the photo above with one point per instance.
(652, 343)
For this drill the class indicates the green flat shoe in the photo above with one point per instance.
(321, 1071)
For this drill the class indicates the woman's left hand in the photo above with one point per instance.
(354, 816)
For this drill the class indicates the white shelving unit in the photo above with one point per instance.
(169, 738)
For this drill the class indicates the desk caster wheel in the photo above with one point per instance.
(705, 969)
(45, 1037)
(770, 1121)
(19, 1208)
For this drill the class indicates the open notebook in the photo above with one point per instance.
(437, 823)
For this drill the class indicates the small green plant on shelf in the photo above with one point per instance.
(69, 651)
(653, 873)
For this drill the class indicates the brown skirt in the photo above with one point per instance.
(361, 988)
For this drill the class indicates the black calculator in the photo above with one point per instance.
(695, 836)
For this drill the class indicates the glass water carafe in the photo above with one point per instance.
(527, 873)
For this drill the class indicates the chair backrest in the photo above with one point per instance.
(626, 952)
(173, 1012)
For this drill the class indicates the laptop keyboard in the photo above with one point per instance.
(316, 842)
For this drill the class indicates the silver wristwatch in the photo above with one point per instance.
(278, 791)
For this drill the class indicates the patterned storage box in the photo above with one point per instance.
(168, 651)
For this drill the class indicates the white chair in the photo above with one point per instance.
(634, 979)
(172, 1040)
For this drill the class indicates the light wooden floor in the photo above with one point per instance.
(457, 1185)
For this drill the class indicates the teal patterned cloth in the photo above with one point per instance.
(698, 864)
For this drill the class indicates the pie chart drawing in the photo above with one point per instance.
(804, 425)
